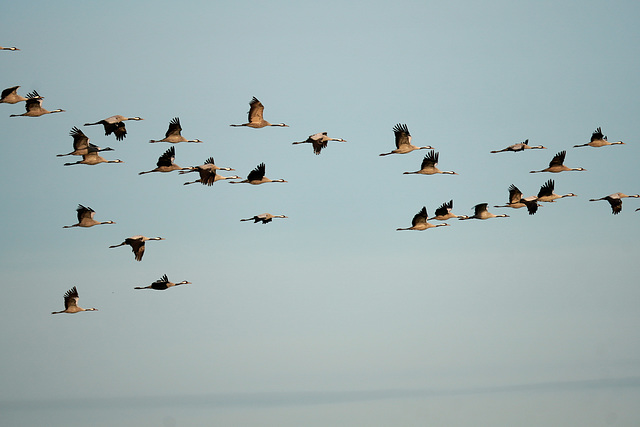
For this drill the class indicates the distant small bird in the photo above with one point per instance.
(598, 140)
(265, 218)
(557, 164)
(257, 177)
(71, 303)
(546, 193)
(81, 144)
(137, 244)
(319, 141)
(481, 212)
(419, 222)
(520, 147)
(428, 166)
(615, 200)
(85, 218)
(10, 96)
(174, 133)
(444, 213)
(403, 141)
(165, 163)
(115, 125)
(8, 48)
(162, 284)
(93, 158)
(516, 201)
(256, 120)
(33, 105)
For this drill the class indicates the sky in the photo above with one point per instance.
(330, 316)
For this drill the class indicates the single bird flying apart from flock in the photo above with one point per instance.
(85, 218)
(557, 164)
(137, 244)
(165, 163)
(615, 200)
(520, 147)
(419, 222)
(264, 218)
(71, 303)
(81, 144)
(257, 177)
(319, 141)
(174, 133)
(256, 120)
(162, 284)
(598, 140)
(115, 125)
(33, 105)
(428, 166)
(403, 141)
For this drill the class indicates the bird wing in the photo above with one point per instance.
(34, 101)
(616, 205)
(137, 246)
(597, 135)
(119, 130)
(546, 189)
(444, 209)
(174, 127)
(514, 194)
(479, 208)
(255, 110)
(318, 145)
(420, 217)
(257, 173)
(402, 135)
(84, 212)
(80, 140)
(430, 159)
(71, 298)
(8, 91)
(209, 161)
(167, 158)
(558, 159)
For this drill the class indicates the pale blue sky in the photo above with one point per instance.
(333, 299)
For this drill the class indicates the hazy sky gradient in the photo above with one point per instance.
(332, 299)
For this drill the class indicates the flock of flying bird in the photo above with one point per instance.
(208, 174)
